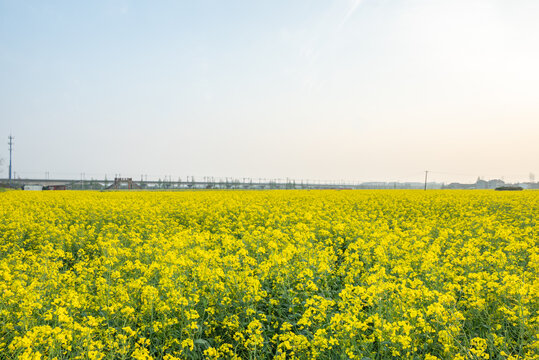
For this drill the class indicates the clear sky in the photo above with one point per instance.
(352, 90)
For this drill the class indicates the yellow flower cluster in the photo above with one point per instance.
(269, 275)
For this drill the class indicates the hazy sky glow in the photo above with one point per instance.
(352, 90)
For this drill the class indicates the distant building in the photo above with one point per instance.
(33, 187)
(493, 184)
(528, 185)
(56, 187)
(481, 184)
(455, 186)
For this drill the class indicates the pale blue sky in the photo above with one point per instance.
(353, 90)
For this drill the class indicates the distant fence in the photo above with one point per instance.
(128, 183)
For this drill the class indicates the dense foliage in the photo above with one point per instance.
(269, 274)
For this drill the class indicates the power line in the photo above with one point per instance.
(10, 143)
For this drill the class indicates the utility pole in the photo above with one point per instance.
(10, 143)
(426, 174)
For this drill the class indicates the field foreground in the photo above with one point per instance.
(269, 274)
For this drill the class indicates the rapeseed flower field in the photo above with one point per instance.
(269, 275)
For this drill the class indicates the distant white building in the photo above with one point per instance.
(494, 183)
(33, 187)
